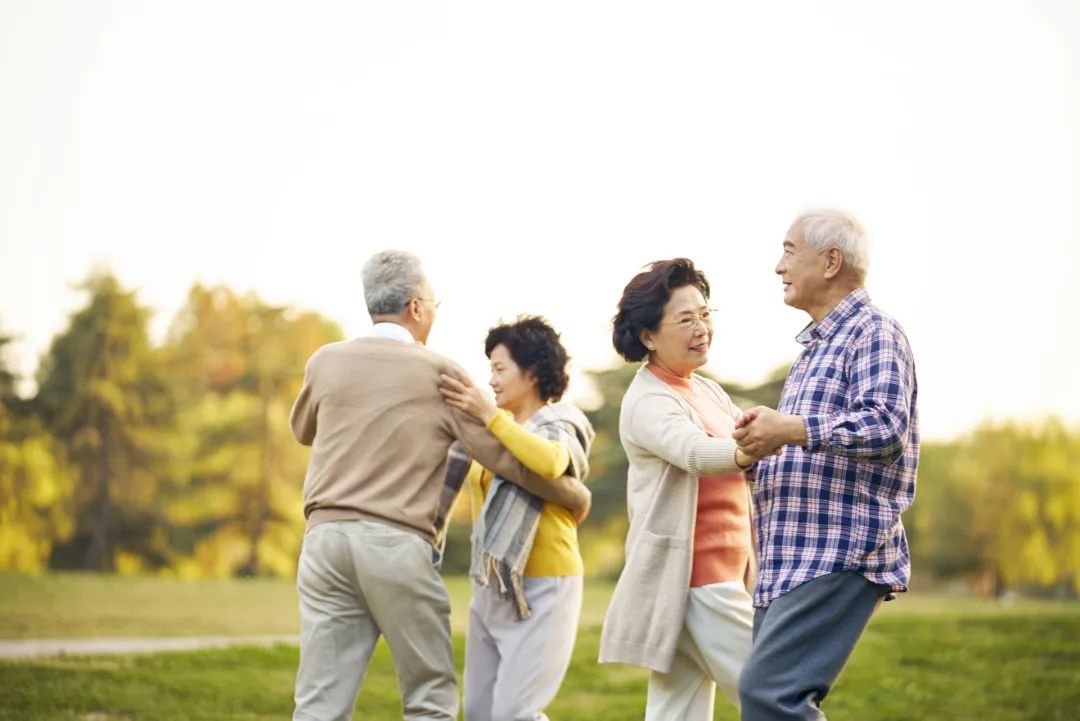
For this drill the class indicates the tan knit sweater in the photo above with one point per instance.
(379, 429)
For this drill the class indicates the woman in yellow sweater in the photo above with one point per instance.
(526, 565)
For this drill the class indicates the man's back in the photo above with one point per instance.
(379, 430)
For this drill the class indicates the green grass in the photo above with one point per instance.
(922, 658)
(920, 667)
(77, 605)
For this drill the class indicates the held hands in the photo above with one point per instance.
(460, 393)
(761, 431)
(582, 511)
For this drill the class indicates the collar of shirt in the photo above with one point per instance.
(392, 331)
(846, 308)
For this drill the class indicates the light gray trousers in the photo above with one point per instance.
(713, 646)
(513, 669)
(358, 580)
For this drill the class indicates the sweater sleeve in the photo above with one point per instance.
(303, 415)
(547, 458)
(662, 427)
(490, 453)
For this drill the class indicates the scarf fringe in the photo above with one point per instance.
(511, 584)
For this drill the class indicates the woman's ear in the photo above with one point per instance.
(647, 339)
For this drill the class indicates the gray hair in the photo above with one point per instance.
(828, 228)
(391, 279)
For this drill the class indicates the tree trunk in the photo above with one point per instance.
(95, 552)
(262, 511)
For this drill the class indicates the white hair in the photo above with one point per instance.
(391, 279)
(828, 228)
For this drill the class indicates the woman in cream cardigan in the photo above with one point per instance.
(680, 607)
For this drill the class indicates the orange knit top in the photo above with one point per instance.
(722, 527)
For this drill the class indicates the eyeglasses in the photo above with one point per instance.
(689, 320)
(432, 300)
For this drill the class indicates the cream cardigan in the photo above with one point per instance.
(668, 450)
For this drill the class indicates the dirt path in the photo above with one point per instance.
(30, 648)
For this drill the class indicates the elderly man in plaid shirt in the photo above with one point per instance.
(827, 508)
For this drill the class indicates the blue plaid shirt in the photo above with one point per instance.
(835, 505)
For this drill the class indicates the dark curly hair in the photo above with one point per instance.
(535, 347)
(643, 299)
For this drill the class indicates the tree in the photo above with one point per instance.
(236, 364)
(103, 397)
(1001, 507)
(34, 483)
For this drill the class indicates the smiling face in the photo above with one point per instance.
(802, 269)
(515, 388)
(681, 342)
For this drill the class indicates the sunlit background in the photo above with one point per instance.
(536, 156)
(188, 192)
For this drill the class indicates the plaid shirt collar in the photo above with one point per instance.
(851, 304)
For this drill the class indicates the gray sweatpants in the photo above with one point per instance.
(358, 580)
(801, 642)
(513, 669)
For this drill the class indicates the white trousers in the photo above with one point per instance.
(358, 580)
(713, 646)
(513, 669)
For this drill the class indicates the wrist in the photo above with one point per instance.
(796, 432)
(742, 460)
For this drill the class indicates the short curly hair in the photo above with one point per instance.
(535, 347)
(643, 299)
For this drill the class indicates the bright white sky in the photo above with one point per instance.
(536, 155)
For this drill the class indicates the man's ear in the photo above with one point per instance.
(834, 262)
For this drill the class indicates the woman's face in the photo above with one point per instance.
(514, 387)
(681, 342)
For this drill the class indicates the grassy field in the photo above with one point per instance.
(922, 658)
(75, 605)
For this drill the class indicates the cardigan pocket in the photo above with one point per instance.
(656, 562)
(661, 565)
(662, 541)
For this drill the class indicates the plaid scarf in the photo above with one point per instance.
(457, 467)
(504, 531)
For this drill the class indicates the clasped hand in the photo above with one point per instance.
(762, 431)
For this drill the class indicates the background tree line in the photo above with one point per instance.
(177, 458)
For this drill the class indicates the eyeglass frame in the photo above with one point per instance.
(694, 318)
(430, 300)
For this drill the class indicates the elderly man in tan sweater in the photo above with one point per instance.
(374, 498)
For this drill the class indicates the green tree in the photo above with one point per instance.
(1001, 508)
(102, 395)
(236, 364)
(35, 484)
(940, 524)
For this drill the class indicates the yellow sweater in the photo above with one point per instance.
(555, 550)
